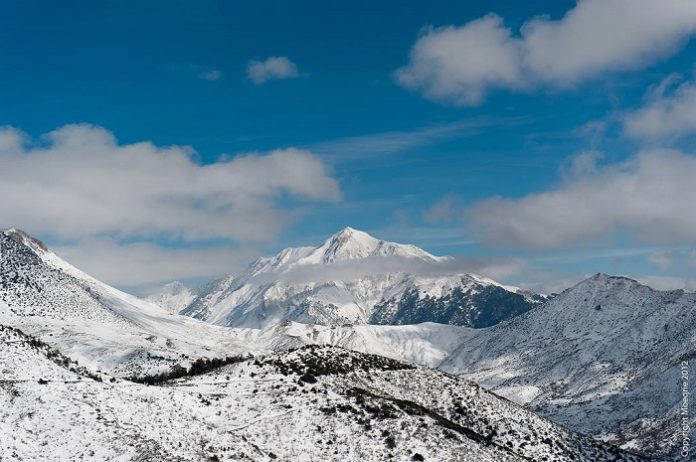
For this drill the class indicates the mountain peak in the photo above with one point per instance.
(606, 279)
(22, 238)
(348, 235)
(351, 244)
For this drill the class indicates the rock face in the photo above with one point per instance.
(604, 357)
(464, 301)
(353, 278)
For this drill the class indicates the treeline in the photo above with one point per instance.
(198, 367)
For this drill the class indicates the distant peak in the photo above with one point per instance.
(606, 280)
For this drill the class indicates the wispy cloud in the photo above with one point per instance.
(272, 68)
(495, 268)
(373, 145)
(137, 265)
(211, 75)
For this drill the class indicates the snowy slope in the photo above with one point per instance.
(96, 324)
(603, 357)
(313, 404)
(426, 344)
(353, 278)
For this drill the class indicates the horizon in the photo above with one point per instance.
(144, 145)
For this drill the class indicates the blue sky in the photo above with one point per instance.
(413, 157)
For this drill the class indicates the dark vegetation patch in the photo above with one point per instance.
(198, 367)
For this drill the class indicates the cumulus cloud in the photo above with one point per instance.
(648, 198)
(665, 114)
(272, 68)
(459, 65)
(79, 182)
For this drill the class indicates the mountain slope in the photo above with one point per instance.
(311, 404)
(604, 357)
(353, 278)
(96, 324)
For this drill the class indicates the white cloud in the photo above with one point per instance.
(210, 75)
(144, 264)
(445, 210)
(583, 164)
(648, 198)
(459, 65)
(663, 259)
(495, 268)
(668, 282)
(273, 68)
(11, 140)
(665, 114)
(82, 183)
(362, 147)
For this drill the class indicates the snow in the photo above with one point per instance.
(312, 404)
(323, 285)
(602, 357)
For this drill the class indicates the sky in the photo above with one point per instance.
(541, 142)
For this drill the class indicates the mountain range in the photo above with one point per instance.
(351, 278)
(89, 372)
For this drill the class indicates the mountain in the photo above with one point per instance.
(354, 278)
(100, 326)
(311, 404)
(604, 357)
(173, 297)
(110, 331)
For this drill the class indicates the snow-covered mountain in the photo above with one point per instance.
(111, 331)
(323, 404)
(604, 357)
(94, 323)
(353, 278)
